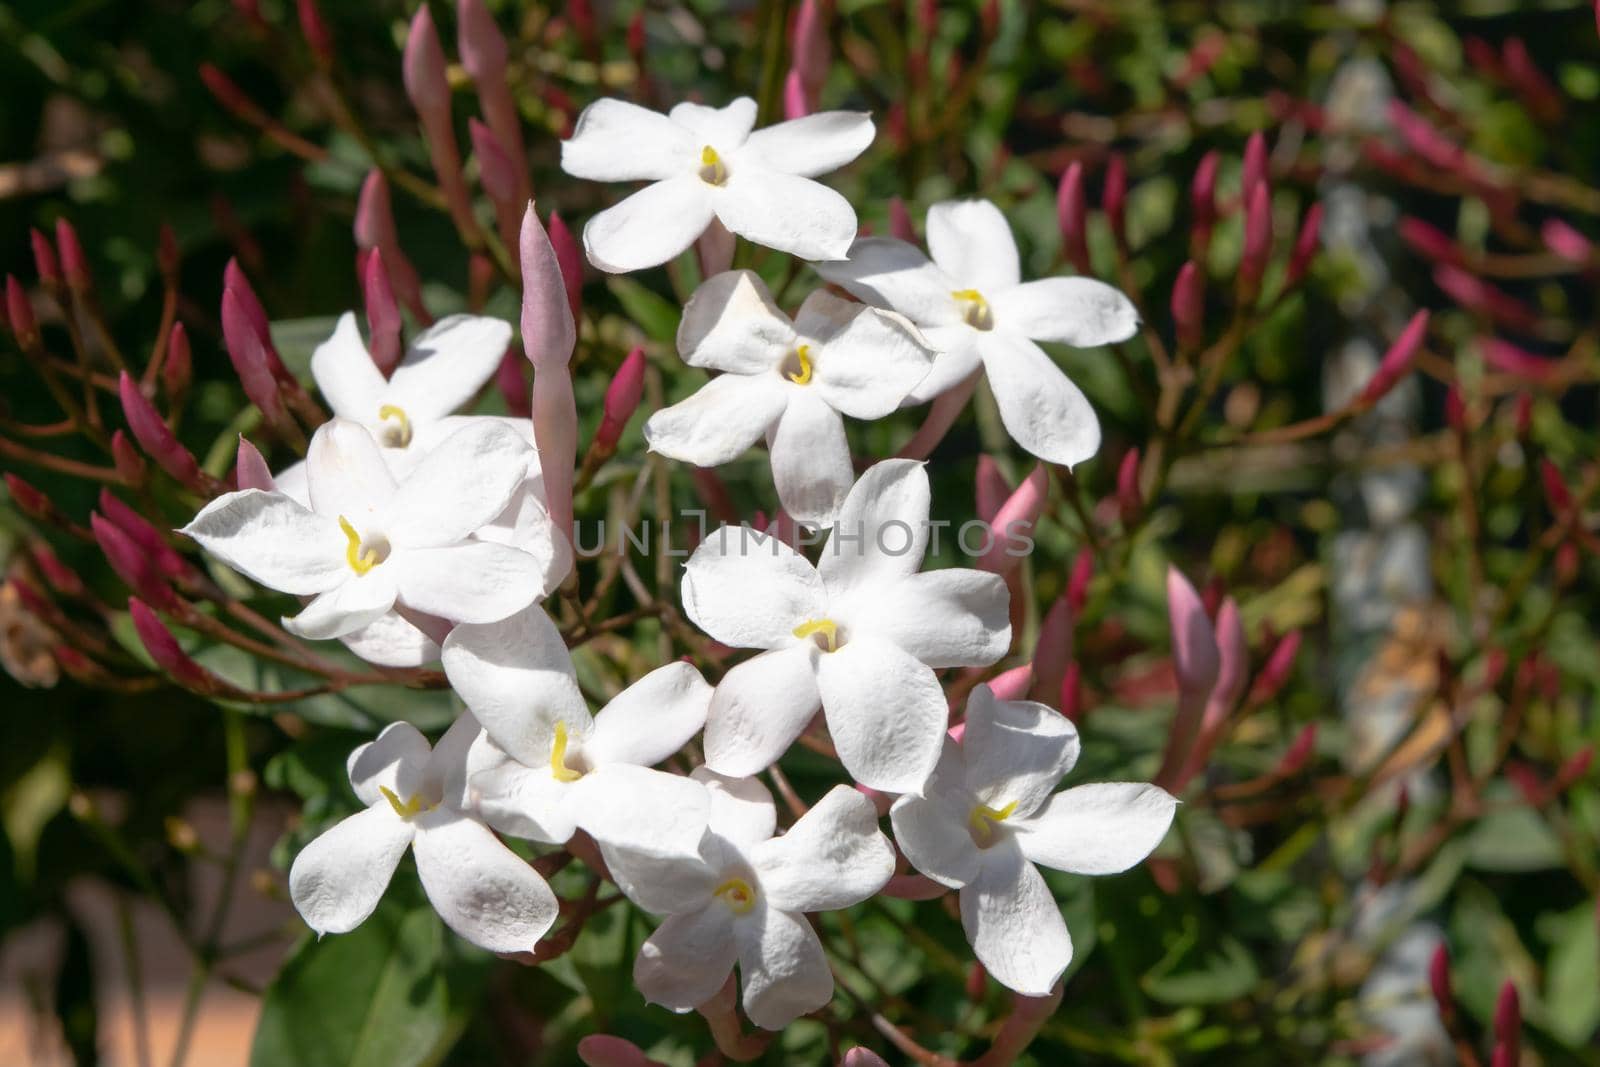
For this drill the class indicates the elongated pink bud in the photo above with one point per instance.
(1232, 673)
(168, 560)
(548, 333)
(1429, 242)
(1071, 702)
(621, 400)
(1439, 981)
(1306, 243)
(1507, 358)
(178, 368)
(156, 437)
(512, 381)
(1566, 242)
(44, 259)
(992, 489)
(74, 264)
(900, 224)
(1275, 672)
(1203, 201)
(808, 50)
(1298, 754)
(570, 258)
(165, 650)
(795, 102)
(1529, 82)
(19, 312)
(1071, 216)
(861, 1056)
(555, 435)
(1455, 409)
(1396, 361)
(1508, 1023)
(1196, 661)
(1013, 523)
(1189, 306)
(499, 178)
(1257, 239)
(1253, 171)
(1476, 295)
(1555, 487)
(132, 564)
(62, 578)
(428, 86)
(1424, 139)
(317, 34)
(1053, 652)
(375, 228)
(603, 1050)
(249, 356)
(383, 314)
(131, 467)
(250, 470)
(483, 54)
(32, 502)
(1114, 198)
(1012, 684)
(1078, 581)
(1129, 500)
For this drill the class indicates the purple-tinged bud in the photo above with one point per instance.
(131, 467)
(483, 54)
(178, 366)
(480, 42)
(604, 1050)
(991, 487)
(1298, 754)
(1013, 523)
(1476, 295)
(234, 277)
(1556, 492)
(1508, 1022)
(74, 264)
(861, 1056)
(1429, 242)
(1232, 674)
(1203, 199)
(1072, 218)
(570, 258)
(900, 224)
(1053, 652)
(133, 565)
(250, 361)
(30, 500)
(1529, 82)
(1189, 306)
(1455, 409)
(1012, 684)
(424, 72)
(165, 650)
(317, 34)
(250, 470)
(168, 257)
(1396, 362)
(512, 381)
(1253, 171)
(1201, 58)
(1566, 242)
(168, 560)
(375, 228)
(1306, 243)
(62, 578)
(1424, 139)
(156, 437)
(1196, 661)
(1078, 581)
(636, 40)
(1257, 239)
(19, 312)
(498, 177)
(383, 315)
(621, 400)
(548, 333)
(44, 259)
(77, 666)
(1275, 672)
(1129, 499)
(1439, 981)
(1482, 57)
(1114, 197)
(795, 104)
(808, 50)
(1071, 701)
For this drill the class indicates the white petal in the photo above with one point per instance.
(1074, 311)
(462, 484)
(525, 524)
(732, 324)
(742, 811)
(957, 360)
(346, 474)
(882, 531)
(810, 458)
(615, 141)
(1016, 751)
(395, 760)
(661, 883)
(759, 708)
(346, 608)
(348, 379)
(640, 810)
(784, 969)
(813, 145)
(890, 273)
(516, 799)
(291, 482)
(971, 241)
(446, 774)
(517, 678)
(833, 857)
(948, 618)
(274, 540)
(723, 128)
(718, 423)
(447, 364)
(649, 227)
(651, 719)
(687, 959)
(338, 878)
(479, 887)
(1097, 829)
(791, 214)
(1013, 923)
(935, 837)
(392, 641)
(475, 581)
(750, 590)
(886, 714)
(1041, 408)
(866, 360)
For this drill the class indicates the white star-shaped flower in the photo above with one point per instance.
(988, 815)
(790, 381)
(545, 767)
(972, 305)
(478, 886)
(744, 895)
(859, 634)
(367, 544)
(704, 163)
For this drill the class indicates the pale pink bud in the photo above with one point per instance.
(1565, 241)
(1072, 692)
(44, 259)
(512, 381)
(1305, 245)
(862, 1057)
(1455, 409)
(1232, 674)
(1078, 581)
(1508, 358)
(1396, 361)
(131, 467)
(1071, 217)
(499, 178)
(1053, 652)
(167, 256)
(375, 228)
(1012, 684)
(250, 470)
(555, 435)
(1114, 198)
(383, 314)
(28, 497)
(548, 333)
(1012, 525)
(166, 652)
(1424, 139)
(1203, 197)
(1555, 487)
(570, 258)
(900, 224)
(1196, 661)
(1275, 672)
(621, 400)
(992, 489)
(249, 356)
(1257, 239)
(1530, 83)
(1476, 295)
(1189, 306)
(714, 249)
(795, 104)
(74, 264)
(808, 49)
(131, 563)
(423, 71)
(155, 436)
(604, 1050)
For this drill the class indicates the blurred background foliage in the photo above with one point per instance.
(1448, 656)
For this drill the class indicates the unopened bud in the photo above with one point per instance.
(512, 381)
(1014, 521)
(1573, 770)
(1298, 754)
(168, 560)
(1203, 202)
(1476, 295)
(44, 259)
(1439, 982)
(570, 258)
(1565, 241)
(62, 578)
(795, 103)
(133, 565)
(156, 437)
(74, 264)
(383, 314)
(1071, 216)
(178, 368)
(900, 224)
(1189, 306)
(1257, 240)
(1455, 409)
(548, 332)
(19, 313)
(131, 467)
(423, 70)
(1306, 243)
(1508, 1022)
(1556, 492)
(1253, 170)
(1129, 501)
(621, 400)
(1114, 197)
(1396, 361)
(991, 488)
(317, 34)
(250, 470)
(1078, 581)
(29, 499)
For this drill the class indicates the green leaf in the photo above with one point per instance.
(1572, 974)
(296, 339)
(1513, 839)
(1202, 970)
(650, 311)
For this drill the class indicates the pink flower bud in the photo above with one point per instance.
(1476, 295)
(861, 1056)
(1053, 651)
(1072, 693)
(1070, 215)
(316, 31)
(512, 381)
(1129, 501)
(135, 567)
(19, 312)
(900, 224)
(1114, 198)
(383, 314)
(74, 264)
(621, 400)
(1396, 361)
(1253, 171)
(1424, 139)
(1275, 672)
(1306, 244)
(1555, 488)
(992, 489)
(62, 578)
(1203, 199)
(1189, 306)
(234, 277)
(423, 71)
(34, 601)
(165, 650)
(1439, 982)
(249, 356)
(1078, 582)
(1455, 409)
(1196, 660)
(178, 367)
(1429, 242)
(498, 176)
(808, 50)
(168, 560)
(1529, 82)
(29, 499)
(479, 40)
(1013, 522)
(548, 333)
(229, 95)
(1298, 754)
(1257, 239)
(1570, 772)
(250, 470)
(570, 257)
(1566, 242)
(131, 467)
(795, 104)
(1232, 674)
(1508, 1022)
(155, 436)
(44, 259)
(1012, 684)
(374, 228)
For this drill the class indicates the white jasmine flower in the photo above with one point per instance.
(703, 164)
(545, 767)
(859, 634)
(478, 886)
(988, 815)
(744, 897)
(973, 306)
(792, 381)
(366, 543)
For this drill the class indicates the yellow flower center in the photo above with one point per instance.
(975, 309)
(558, 757)
(736, 894)
(399, 435)
(712, 169)
(362, 558)
(413, 806)
(982, 822)
(826, 627)
(802, 376)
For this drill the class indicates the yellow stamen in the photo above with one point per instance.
(558, 757)
(826, 627)
(984, 817)
(389, 411)
(360, 562)
(736, 894)
(712, 169)
(976, 313)
(414, 806)
(803, 354)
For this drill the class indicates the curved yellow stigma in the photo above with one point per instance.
(558, 757)
(803, 377)
(976, 313)
(360, 562)
(390, 411)
(984, 817)
(712, 169)
(826, 627)
(414, 806)
(736, 894)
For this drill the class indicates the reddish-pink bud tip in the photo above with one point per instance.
(1397, 360)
